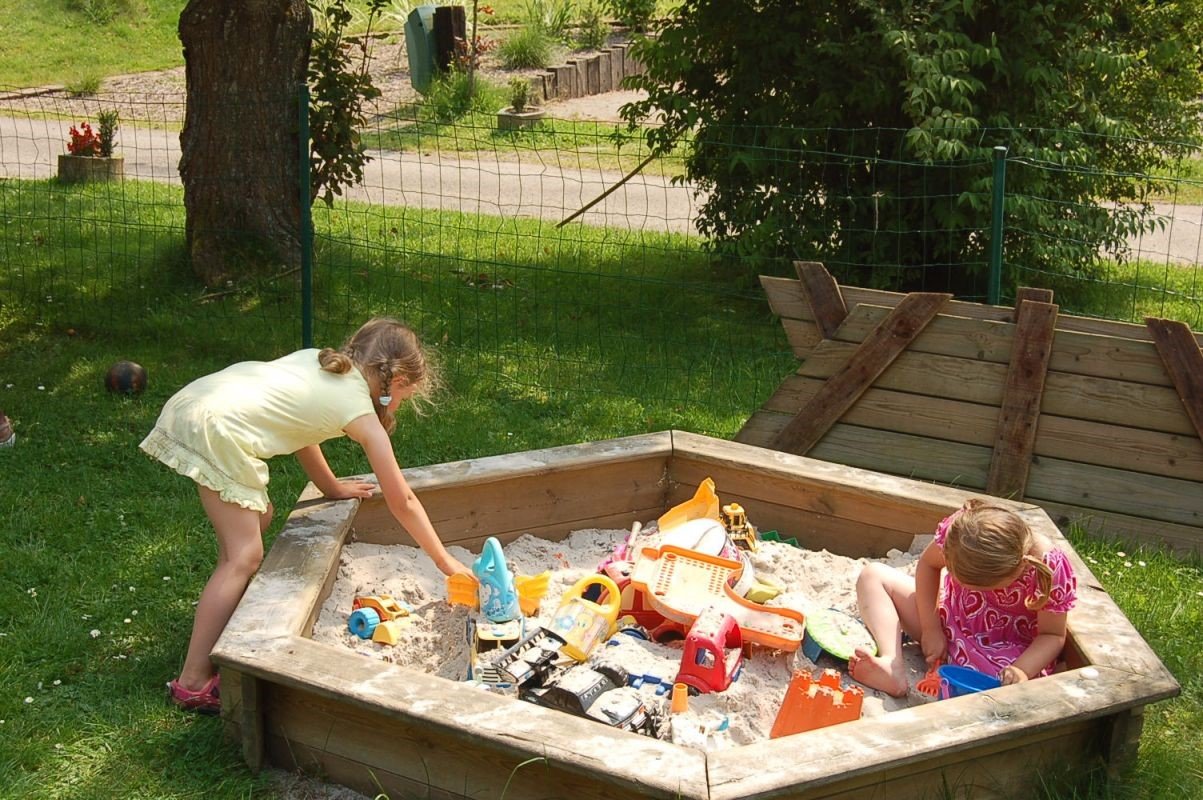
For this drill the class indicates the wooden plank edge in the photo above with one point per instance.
(785, 301)
(288, 588)
(1182, 540)
(477, 717)
(912, 735)
(914, 494)
(1023, 389)
(873, 356)
(823, 296)
(1180, 353)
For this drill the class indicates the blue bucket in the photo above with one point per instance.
(956, 681)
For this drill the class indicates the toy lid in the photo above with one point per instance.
(839, 633)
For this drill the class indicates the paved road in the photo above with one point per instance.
(29, 148)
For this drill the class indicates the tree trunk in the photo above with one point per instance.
(244, 60)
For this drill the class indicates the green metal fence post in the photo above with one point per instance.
(306, 218)
(999, 193)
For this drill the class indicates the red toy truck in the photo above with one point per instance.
(713, 654)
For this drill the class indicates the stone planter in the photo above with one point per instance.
(80, 169)
(510, 120)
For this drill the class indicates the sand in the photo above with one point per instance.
(433, 638)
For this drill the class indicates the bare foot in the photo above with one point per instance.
(878, 673)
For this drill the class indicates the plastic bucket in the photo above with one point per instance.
(956, 681)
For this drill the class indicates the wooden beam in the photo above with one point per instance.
(823, 294)
(786, 301)
(875, 353)
(1184, 362)
(1015, 435)
(1033, 294)
(252, 723)
(1127, 404)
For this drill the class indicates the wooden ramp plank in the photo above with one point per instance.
(1030, 293)
(877, 350)
(823, 295)
(802, 337)
(1074, 353)
(962, 465)
(1181, 539)
(1139, 406)
(1015, 435)
(1060, 437)
(785, 300)
(1180, 353)
(1151, 496)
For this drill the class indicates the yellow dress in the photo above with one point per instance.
(220, 429)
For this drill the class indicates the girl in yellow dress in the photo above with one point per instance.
(220, 429)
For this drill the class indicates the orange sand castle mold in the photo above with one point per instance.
(811, 703)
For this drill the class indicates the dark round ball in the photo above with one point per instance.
(126, 377)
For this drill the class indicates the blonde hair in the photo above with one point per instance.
(384, 349)
(987, 545)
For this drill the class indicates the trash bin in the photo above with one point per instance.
(450, 26)
(419, 47)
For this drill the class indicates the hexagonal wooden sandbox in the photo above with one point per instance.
(376, 727)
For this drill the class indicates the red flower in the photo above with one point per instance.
(83, 141)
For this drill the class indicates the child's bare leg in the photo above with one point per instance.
(886, 598)
(239, 553)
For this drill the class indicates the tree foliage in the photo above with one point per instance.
(861, 133)
(340, 86)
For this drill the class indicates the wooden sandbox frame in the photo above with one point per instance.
(375, 727)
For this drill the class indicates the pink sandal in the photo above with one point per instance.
(206, 701)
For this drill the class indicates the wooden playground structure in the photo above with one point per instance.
(1097, 422)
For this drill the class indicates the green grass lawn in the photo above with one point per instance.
(560, 144)
(77, 42)
(1129, 292)
(1184, 183)
(545, 338)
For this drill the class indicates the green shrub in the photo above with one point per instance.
(529, 48)
(453, 95)
(103, 12)
(635, 14)
(594, 30)
(108, 131)
(553, 17)
(83, 84)
(519, 93)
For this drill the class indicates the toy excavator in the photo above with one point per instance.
(377, 617)
(739, 530)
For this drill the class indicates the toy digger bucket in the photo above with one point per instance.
(463, 590)
(531, 589)
(703, 505)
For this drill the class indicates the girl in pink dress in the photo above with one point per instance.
(1001, 607)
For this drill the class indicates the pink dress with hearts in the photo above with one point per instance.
(988, 630)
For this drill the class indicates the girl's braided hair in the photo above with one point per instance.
(384, 349)
(987, 545)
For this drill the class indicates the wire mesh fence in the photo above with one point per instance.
(460, 228)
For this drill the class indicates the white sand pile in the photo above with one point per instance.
(434, 641)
